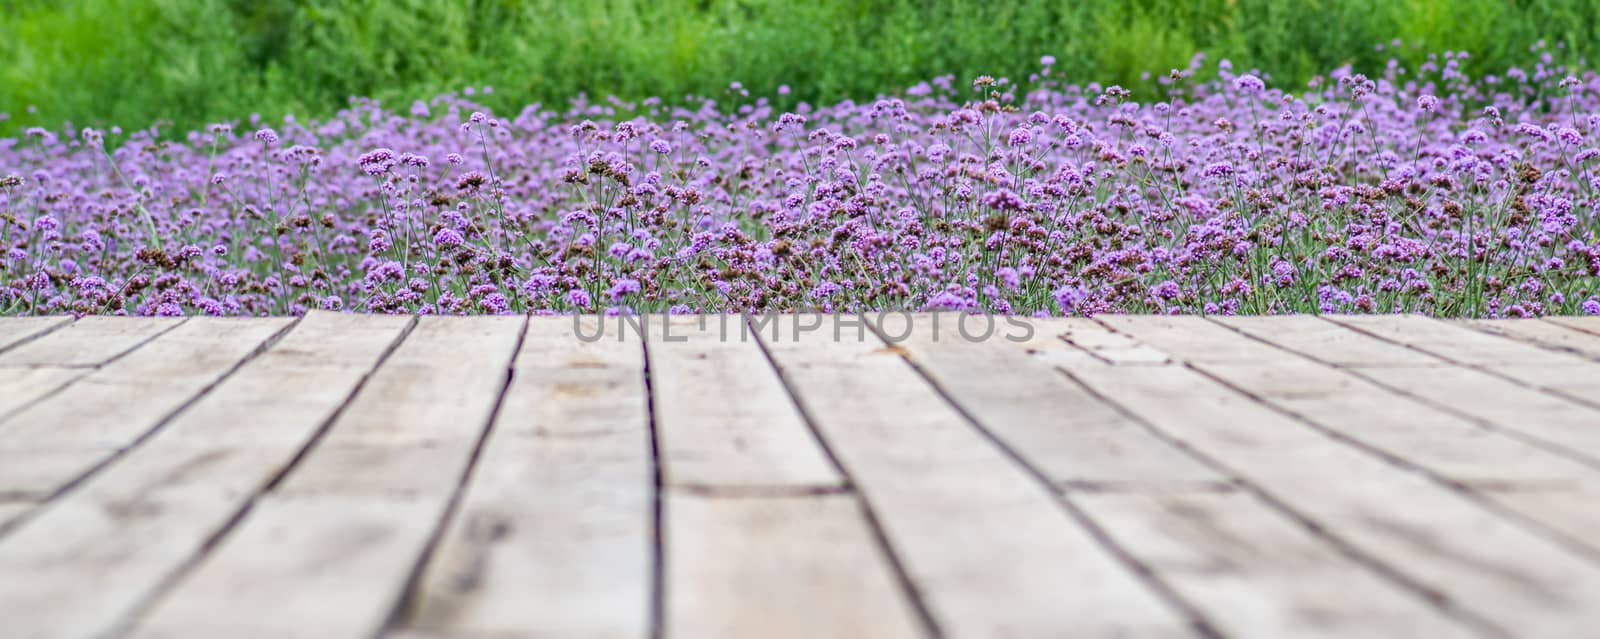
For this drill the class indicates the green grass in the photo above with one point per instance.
(132, 62)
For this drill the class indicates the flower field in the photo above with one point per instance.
(1417, 190)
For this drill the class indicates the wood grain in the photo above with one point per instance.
(798, 567)
(555, 534)
(357, 531)
(723, 418)
(938, 487)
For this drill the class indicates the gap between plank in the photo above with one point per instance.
(122, 451)
(1581, 329)
(1479, 367)
(57, 390)
(1395, 459)
(723, 491)
(1197, 621)
(1437, 599)
(1531, 440)
(406, 604)
(1522, 339)
(162, 587)
(1097, 487)
(658, 567)
(58, 326)
(903, 578)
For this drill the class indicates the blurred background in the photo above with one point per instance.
(190, 62)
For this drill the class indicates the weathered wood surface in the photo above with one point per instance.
(49, 444)
(556, 532)
(362, 506)
(788, 566)
(135, 524)
(982, 539)
(723, 418)
(18, 330)
(501, 478)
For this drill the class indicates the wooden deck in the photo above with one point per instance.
(498, 478)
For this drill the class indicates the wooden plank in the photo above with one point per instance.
(987, 546)
(1459, 450)
(1564, 508)
(1454, 342)
(798, 567)
(556, 529)
(1579, 384)
(1094, 339)
(1587, 324)
(1552, 422)
(1561, 372)
(134, 525)
(1517, 475)
(10, 510)
(37, 473)
(1322, 340)
(115, 406)
(1502, 576)
(1061, 430)
(90, 341)
(723, 418)
(1547, 334)
(1349, 403)
(412, 429)
(73, 569)
(1582, 385)
(1490, 400)
(25, 385)
(1164, 333)
(356, 532)
(1254, 573)
(288, 572)
(15, 330)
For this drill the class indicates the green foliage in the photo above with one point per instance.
(132, 62)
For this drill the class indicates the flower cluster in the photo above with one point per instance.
(1414, 190)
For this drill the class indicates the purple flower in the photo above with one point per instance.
(495, 303)
(1360, 195)
(1069, 298)
(388, 271)
(1020, 137)
(622, 288)
(88, 284)
(1533, 131)
(578, 298)
(1166, 291)
(376, 161)
(1004, 200)
(1591, 306)
(447, 238)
